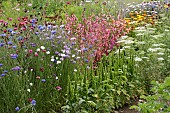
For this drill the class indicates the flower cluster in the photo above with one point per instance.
(95, 35)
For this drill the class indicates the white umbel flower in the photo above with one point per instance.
(42, 47)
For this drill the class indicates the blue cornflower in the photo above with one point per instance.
(9, 43)
(49, 26)
(5, 71)
(1, 64)
(33, 25)
(85, 49)
(43, 80)
(33, 20)
(33, 102)
(83, 39)
(3, 74)
(13, 32)
(86, 60)
(14, 47)
(39, 26)
(36, 33)
(73, 43)
(44, 27)
(9, 30)
(17, 108)
(33, 44)
(19, 38)
(53, 31)
(2, 44)
(14, 56)
(17, 68)
(3, 35)
(90, 46)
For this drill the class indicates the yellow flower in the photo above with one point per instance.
(135, 19)
(131, 13)
(127, 20)
(165, 6)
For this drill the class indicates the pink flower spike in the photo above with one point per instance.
(58, 88)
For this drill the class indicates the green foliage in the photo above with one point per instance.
(158, 101)
(79, 87)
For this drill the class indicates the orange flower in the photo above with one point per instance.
(132, 17)
(144, 14)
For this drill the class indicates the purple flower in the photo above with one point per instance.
(39, 26)
(43, 80)
(3, 35)
(85, 49)
(86, 60)
(14, 47)
(1, 65)
(33, 102)
(57, 52)
(49, 26)
(17, 108)
(83, 39)
(17, 68)
(3, 74)
(53, 31)
(9, 43)
(14, 56)
(19, 38)
(9, 30)
(36, 33)
(2, 44)
(5, 71)
(33, 44)
(90, 46)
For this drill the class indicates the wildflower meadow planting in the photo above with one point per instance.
(89, 56)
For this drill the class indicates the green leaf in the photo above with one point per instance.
(124, 91)
(167, 81)
(95, 95)
(134, 107)
(118, 92)
(143, 96)
(91, 103)
(154, 82)
(81, 101)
